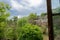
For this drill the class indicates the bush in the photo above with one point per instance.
(30, 32)
(9, 33)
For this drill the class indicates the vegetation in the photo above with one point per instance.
(30, 32)
(17, 29)
(25, 28)
(3, 17)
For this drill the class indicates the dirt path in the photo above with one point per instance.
(45, 37)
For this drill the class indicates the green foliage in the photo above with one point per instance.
(2, 26)
(3, 11)
(9, 33)
(22, 22)
(3, 17)
(30, 32)
(43, 14)
(15, 19)
(32, 16)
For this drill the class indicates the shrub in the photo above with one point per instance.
(9, 33)
(30, 32)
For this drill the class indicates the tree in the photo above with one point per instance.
(32, 17)
(43, 14)
(15, 26)
(4, 14)
(22, 21)
(15, 21)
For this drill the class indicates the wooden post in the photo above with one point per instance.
(50, 21)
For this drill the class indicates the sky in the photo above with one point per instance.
(22, 8)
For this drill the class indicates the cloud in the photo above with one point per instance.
(25, 4)
(16, 5)
(33, 3)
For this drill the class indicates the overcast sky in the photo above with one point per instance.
(25, 7)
